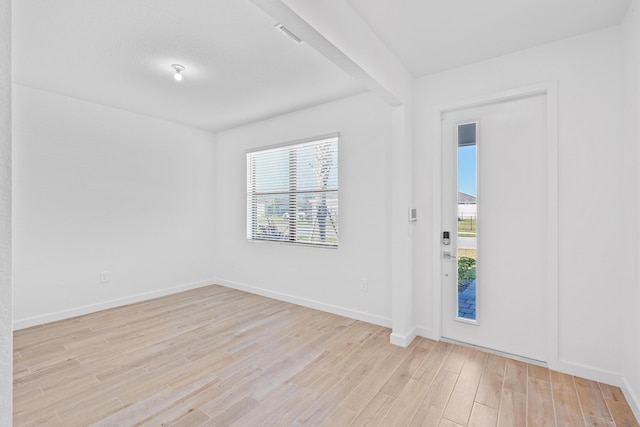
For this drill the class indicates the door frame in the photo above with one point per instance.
(550, 89)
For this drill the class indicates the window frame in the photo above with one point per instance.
(291, 238)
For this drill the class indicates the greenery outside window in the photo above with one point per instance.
(292, 193)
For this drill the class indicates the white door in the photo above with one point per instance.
(495, 211)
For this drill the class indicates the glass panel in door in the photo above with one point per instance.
(467, 231)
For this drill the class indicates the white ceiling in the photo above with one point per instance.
(429, 36)
(239, 69)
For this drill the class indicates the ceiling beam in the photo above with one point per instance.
(336, 31)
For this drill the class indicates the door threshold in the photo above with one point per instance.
(496, 352)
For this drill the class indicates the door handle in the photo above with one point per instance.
(447, 255)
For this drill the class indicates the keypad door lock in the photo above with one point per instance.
(445, 238)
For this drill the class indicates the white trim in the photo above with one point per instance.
(403, 340)
(479, 206)
(550, 89)
(284, 161)
(590, 373)
(329, 308)
(319, 138)
(564, 366)
(92, 308)
(496, 352)
(632, 398)
(287, 243)
(437, 224)
(553, 209)
(428, 333)
(497, 97)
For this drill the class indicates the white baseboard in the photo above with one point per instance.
(427, 333)
(341, 311)
(590, 373)
(79, 311)
(564, 366)
(632, 398)
(579, 370)
(403, 340)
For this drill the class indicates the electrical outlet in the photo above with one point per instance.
(364, 285)
(105, 276)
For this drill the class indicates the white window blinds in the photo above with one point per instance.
(292, 193)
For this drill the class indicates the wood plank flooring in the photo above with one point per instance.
(220, 357)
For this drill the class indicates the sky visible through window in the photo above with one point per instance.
(467, 170)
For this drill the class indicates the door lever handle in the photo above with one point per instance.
(448, 255)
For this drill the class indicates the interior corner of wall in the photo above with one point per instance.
(632, 397)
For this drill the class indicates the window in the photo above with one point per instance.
(292, 193)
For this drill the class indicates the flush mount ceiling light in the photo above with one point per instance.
(178, 69)
(284, 30)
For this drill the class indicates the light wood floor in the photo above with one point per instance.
(216, 357)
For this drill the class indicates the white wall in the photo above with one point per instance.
(101, 189)
(6, 328)
(324, 278)
(631, 290)
(155, 203)
(596, 187)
